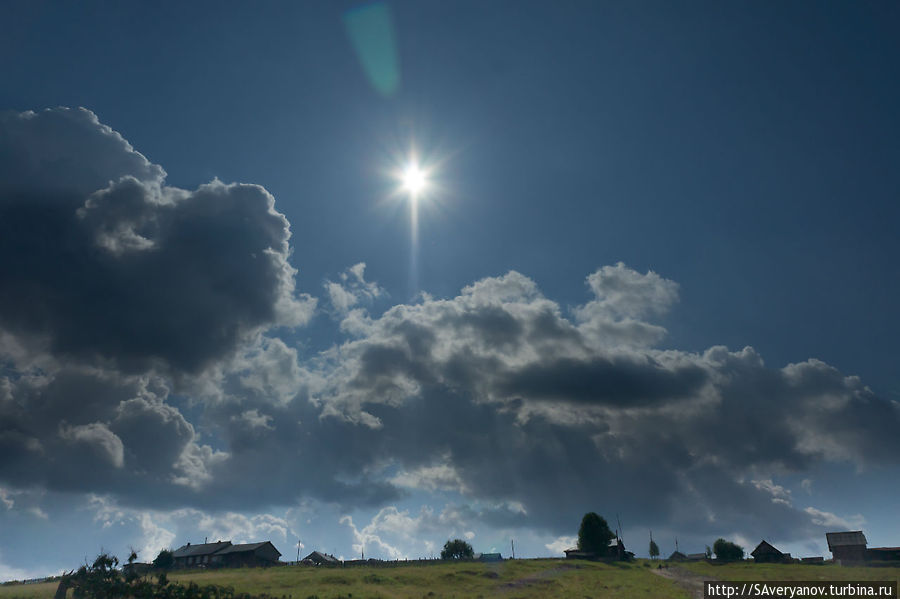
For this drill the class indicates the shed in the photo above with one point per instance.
(578, 554)
(490, 557)
(847, 546)
(677, 556)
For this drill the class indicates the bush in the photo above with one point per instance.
(102, 580)
(164, 561)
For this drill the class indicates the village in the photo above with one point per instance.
(847, 548)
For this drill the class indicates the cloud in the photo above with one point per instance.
(560, 544)
(833, 521)
(141, 361)
(352, 290)
(393, 533)
(5, 499)
(104, 262)
(98, 437)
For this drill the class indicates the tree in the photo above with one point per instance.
(164, 561)
(654, 550)
(727, 551)
(594, 534)
(457, 549)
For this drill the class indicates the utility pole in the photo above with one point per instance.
(619, 522)
(512, 543)
(298, 551)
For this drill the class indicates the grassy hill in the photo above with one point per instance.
(786, 572)
(523, 579)
(513, 579)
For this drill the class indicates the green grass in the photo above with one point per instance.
(786, 572)
(516, 579)
(28, 591)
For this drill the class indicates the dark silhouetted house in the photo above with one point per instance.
(847, 546)
(248, 554)
(883, 554)
(767, 554)
(615, 551)
(224, 554)
(362, 562)
(317, 558)
(677, 556)
(193, 556)
(695, 557)
(490, 557)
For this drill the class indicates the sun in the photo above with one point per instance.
(414, 179)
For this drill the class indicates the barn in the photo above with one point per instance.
(847, 546)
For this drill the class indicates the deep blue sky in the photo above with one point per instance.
(746, 151)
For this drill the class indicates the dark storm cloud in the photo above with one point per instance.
(102, 262)
(617, 381)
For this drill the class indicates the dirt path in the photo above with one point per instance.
(692, 583)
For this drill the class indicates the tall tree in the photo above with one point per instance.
(457, 549)
(654, 550)
(727, 551)
(594, 534)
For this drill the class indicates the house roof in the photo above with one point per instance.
(201, 549)
(318, 556)
(677, 555)
(844, 539)
(765, 547)
(696, 556)
(245, 547)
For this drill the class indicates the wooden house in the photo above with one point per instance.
(883, 554)
(847, 546)
(317, 558)
(224, 554)
(194, 556)
(489, 557)
(677, 556)
(695, 557)
(248, 554)
(765, 553)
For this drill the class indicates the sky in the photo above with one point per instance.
(653, 274)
